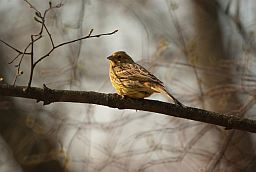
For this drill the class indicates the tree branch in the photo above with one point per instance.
(115, 101)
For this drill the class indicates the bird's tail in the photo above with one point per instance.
(163, 91)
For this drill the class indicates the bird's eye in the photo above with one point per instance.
(119, 57)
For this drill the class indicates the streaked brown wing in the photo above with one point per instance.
(135, 72)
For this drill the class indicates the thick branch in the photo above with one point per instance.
(115, 101)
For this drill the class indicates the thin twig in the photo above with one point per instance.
(35, 37)
(19, 64)
(14, 58)
(49, 34)
(65, 43)
(20, 52)
(31, 6)
(31, 61)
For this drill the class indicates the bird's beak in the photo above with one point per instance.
(110, 57)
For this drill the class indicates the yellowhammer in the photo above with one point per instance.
(132, 80)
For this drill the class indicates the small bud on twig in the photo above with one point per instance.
(50, 4)
(38, 14)
(37, 20)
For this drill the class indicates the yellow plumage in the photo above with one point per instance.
(132, 80)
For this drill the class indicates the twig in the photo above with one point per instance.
(14, 58)
(49, 34)
(115, 101)
(12, 47)
(31, 61)
(65, 43)
(30, 5)
(35, 37)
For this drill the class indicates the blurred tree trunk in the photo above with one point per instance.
(210, 52)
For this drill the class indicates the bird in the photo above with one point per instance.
(132, 80)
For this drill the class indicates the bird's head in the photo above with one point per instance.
(120, 57)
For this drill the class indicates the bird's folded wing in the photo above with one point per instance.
(136, 72)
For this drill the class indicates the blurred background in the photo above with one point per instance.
(202, 50)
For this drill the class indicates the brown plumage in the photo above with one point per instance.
(132, 80)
